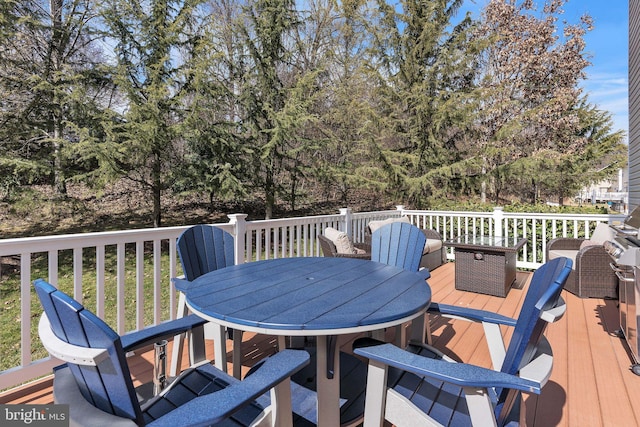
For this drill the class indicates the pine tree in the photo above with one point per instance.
(273, 97)
(425, 63)
(51, 88)
(213, 160)
(154, 44)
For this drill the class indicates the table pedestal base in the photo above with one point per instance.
(352, 384)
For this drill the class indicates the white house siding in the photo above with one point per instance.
(634, 103)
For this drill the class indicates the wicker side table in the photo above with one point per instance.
(485, 265)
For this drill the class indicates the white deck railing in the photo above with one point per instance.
(133, 269)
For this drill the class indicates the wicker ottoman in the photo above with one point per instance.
(485, 265)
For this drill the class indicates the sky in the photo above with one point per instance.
(607, 46)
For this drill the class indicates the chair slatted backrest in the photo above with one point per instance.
(205, 248)
(399, 244)
(544, 293)
(107, 386)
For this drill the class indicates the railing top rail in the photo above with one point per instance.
(581, 217)
(446, 213)
(280, 221)
(376, 213)
(569, 216)
(70, 241)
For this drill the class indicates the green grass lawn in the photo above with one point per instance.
(10, 296)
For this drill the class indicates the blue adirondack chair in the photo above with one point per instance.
(419, 384)
(401, 244)
(96, 383)
(201, 249)
(205, 248)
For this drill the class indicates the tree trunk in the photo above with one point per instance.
(270, 203)
(55, 9)
(292, 195)
(157, 192)
(269, 192)
(157, 212)
(211, 199)
(58, 173)
(483, 184)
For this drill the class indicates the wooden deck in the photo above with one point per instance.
(591, 384)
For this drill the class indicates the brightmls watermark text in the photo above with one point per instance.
(34, 415)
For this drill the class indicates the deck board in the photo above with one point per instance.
(581, 374)
(591, 384)
(606, 372)
(622, 385)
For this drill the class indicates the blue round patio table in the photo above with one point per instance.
(311, 296)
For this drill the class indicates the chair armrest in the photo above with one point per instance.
(151, 334)
(181, 284)
(366, 256)
(94, 356)
(329, 249)
(491, 323)
(595, 254)
(217, 406)
(364, 246)
(425, 273)
(461, 374)
(432, 234)
(564, 243)
(591, 259)
(470, 314)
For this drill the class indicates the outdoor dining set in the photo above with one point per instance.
(375, 289)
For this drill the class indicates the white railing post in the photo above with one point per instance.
(25, 308)
(498, 219)
(239, 222)
(346, 220)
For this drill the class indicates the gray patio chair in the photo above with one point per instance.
(329, 249)
(419, 385)
(592, 275)
(96, 384)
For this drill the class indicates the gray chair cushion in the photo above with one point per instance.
(341, 241)
(571, 254)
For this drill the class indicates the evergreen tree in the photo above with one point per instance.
(603, 154)
(154, 43)
(52, 88)
(213, 160)
(425, 63)
(336, 44)
(273, 97)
